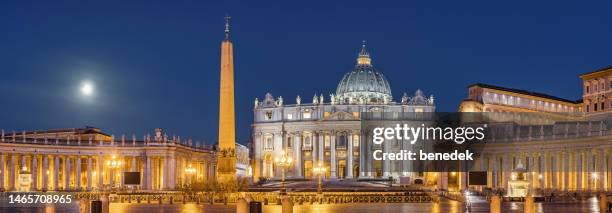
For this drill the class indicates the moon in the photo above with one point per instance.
(87, 89)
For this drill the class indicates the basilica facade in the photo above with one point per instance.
(326, 130)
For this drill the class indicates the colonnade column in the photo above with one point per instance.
(45, 172)
(578, 159)
(566, 169)
(89, 177)
(333, 163)
(34, 173)
(78, 172)
(601, 177)
(67, 172)
(100, 162)
(362, 154)
(349, 156)
(56, 165)
(314, 149)
(2, 172)
(148, 183)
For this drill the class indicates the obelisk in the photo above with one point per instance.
(226, 157)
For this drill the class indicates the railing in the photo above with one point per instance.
(16, 139)
(566, 130)
(300, 198)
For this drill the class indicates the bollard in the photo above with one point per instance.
(287, 205)
(96, 206)
(255, 207)
(529, 204)
(171, 199)
(242, 206)
(603, 202)
(495, 204)
(84, 206)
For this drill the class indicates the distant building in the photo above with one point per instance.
(87, 159)
(327, 129)
(555, 144)
(597, 93)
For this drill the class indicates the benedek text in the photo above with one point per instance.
(410, 155)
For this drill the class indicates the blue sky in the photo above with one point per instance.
(156, 63)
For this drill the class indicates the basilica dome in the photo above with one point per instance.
(364, 84)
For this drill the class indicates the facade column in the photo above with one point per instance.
(362, 155)
(298, 154)
(386, 162)
(349, 156)
(495, 170)
(134, 167)
(89, 176)
(148, 178)
(333, 162)
(56, 169)
(321, 148)
(67, 172)
(34, 173)
(258, 167)
(121, 170)
(45, 172)
(78, 172)
(314, 139)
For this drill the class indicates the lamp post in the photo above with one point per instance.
(112, 164)
(319, 170)
(284, 161)
(190, 171)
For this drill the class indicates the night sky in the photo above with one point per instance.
(156, 64)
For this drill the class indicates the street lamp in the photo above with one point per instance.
(190, 171)
(112, 164)
(319, 170)
(284, 162)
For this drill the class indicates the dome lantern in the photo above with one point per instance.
(364, 82)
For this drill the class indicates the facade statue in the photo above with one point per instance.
(298, 100)
(315, 99)
(256, 102)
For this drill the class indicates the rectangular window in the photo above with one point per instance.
(306, 115)
(268, 143)
(595, 107)
(355, 140)
(327, 141)
(289, 142)
(587, 89)
(326, 114)
(602, 106)
(290, 116)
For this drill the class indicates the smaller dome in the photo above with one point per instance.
(364, 84)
